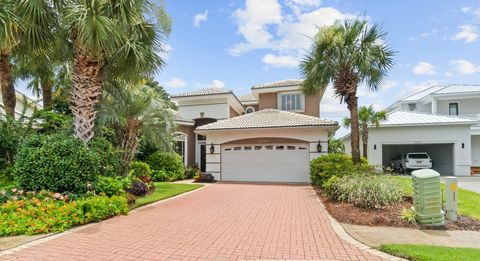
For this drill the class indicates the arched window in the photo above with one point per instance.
(249, 109)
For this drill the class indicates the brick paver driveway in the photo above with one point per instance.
(220, 222)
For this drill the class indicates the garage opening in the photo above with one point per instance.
(441, 155)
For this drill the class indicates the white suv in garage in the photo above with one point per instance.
(411, 161)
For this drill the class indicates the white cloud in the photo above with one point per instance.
(467, 33)
(217, 84)
(465, 67)
(470, 10)
(288, 61)
(388, 84)
(263, 26)
(424, 68)
(200, 18)
(330, 106)
(175, 82)
(412, 88)
(167, 49)
(466, 9)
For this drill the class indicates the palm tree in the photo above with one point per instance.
(367, 116)
(347, 54)
(111, 40)
(135, 110)
(25, 26)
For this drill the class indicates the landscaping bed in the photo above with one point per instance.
(163, 190)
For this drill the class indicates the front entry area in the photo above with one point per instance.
(265, 162)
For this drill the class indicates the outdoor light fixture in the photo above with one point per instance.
(375, 146)
(319, 147)
(212, 149)
(463, 145)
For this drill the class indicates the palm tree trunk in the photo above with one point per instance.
(86, 92)
(6, 83)
(352, 102)
(365, 141)
(130, 144)
(47, 95)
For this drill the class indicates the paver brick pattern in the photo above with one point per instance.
(220, 222)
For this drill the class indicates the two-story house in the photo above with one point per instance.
(442, 121)
(32, 105)
(268, 135)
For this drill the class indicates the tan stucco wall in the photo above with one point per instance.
(233, 113)
(267, 101)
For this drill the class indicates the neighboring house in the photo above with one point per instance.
(19, 108)
(269, 135)
(442, 121)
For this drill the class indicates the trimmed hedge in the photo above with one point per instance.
(171, 163)
(326, 166)
(57, 163)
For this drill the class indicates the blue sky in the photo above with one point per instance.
(238, 43)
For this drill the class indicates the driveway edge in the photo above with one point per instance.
(338, 228)
(75, 229)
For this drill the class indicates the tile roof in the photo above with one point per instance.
(203, 92)
(247, 98)
(282, 83)
(443, 89)
(400, 117)
(268, 118)
(180, 119)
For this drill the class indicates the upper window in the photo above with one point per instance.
(249, 109)
(453, 108)
(412, 107)
(294, 101)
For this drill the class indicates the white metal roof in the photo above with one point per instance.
(400, 117)
(422, 94)
(444, 89)
(268, 118)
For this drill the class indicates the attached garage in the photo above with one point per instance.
(441, 155)
(265, 162)
(265, 146)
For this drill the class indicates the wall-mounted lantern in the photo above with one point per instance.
(375, 146)
(319, 147)
(463, 145)
(212, 149)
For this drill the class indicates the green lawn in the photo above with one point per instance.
(164, 190)
(468, 201)
(431, 253)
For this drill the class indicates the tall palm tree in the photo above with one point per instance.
(367, 116)
(135, 110)
(347, 54)
(25, 26)
(111, 40)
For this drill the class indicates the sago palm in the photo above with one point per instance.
(367, 116)
(135, 110)
(347, 54)
(111, 40)
(25, 26)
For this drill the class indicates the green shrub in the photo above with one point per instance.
(366, 191)
(111, 163)
(57, 163)
(141, 170)
(52, 213)
(48, 122)
(409, 216)
(190, 172)
(326, 166)
(169, 162)
(111, 186)
(159, 175)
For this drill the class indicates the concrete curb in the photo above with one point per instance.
(75, 229)
(337, 227)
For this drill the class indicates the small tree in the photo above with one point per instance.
(347, 54)
(367, 116)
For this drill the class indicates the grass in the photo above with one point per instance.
(427, 252)
(164, 190)
(467, 200)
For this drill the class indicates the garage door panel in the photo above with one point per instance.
(272, 163)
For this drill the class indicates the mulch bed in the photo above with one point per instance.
(387, 216)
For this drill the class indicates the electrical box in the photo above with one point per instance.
(427, 197)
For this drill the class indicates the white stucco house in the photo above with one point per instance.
(268, 135)
(32, 105)
(443, 121)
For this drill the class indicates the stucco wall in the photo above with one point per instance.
(233, 113)
(270, 101)
(476, 150)
(267, 101)
(215, 111)
(456, 134)
(309, 135)
(190, 146)
(466, 107)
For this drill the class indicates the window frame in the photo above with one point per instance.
(457, 108)
(412, 105)
(302, 101)
(249, 108)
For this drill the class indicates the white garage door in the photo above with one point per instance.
(270, 163)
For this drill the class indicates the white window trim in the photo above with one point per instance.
(458, 108)
(279, 100)
(249, 107)
(185, 144)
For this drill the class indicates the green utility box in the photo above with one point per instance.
(427, 197)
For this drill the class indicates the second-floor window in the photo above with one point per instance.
(453, 109)
(292, 101)
(412, 107)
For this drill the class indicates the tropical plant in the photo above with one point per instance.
(367, 116)
(166, 162)
(25, 26)
(111, 40)
(335, 145)
(347, 54)
(134, 110)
